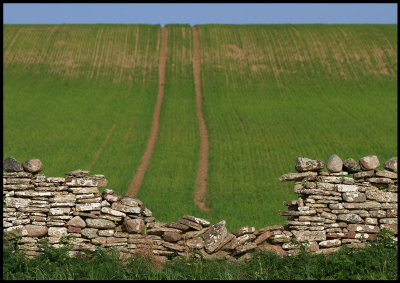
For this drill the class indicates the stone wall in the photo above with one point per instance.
(339, 206)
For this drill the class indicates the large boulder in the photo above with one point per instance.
(32, 165)
(369, 162)
(304, 164)
(351, 166)
(10, 164)
(334, 164)
(214, 236)
(391, 164)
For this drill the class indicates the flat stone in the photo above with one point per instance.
(381, 196)
(386, 174)
(131, 201)
(369, 162)
(63, 198)
(32, 166)
(77, 173)
(179, 226)
(303, 236)
(126, 208)
(88, 206)
(113, 212)
(268, 228)
(304, 164)
(248, 246)
(195, 243)
(76, 222)
(334, 164)
(362, 228)
(57, 231)
(10, 164)
(243, 230)
(89, 232)
(59, 210)
(380, 180)
(112, 197)
(363, 174)
(391, 164)
(342, 188)
(87, 190)
(214, 236)
(297, 176)
(99, 223)
(189, 223)
(106, 233)
(201, 221)
(17, 202)
(351, 166)
(362, 205)
(245, 238)
(354, 197)
(134, 225)
(262, 237)
(349, 218)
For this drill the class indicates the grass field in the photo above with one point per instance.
(82, 96)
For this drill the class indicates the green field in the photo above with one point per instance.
(270, 93)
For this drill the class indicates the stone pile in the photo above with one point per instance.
(335, 208)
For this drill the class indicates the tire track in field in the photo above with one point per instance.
(202, 171)
(141, 170)
(102, 146)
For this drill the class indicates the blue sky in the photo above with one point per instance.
(257, 13)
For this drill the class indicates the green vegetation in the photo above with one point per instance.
(272, 93)
(377, 261)
(68, 87)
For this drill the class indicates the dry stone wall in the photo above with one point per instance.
(349, 202)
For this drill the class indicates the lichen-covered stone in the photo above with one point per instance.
(214, 236)
(351, 166)
(369, 162)
(99, 223)
(134, 225)
(391, 164)
(10, 164)
(303, 164)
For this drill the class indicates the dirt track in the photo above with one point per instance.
(138, 177)
(202, 171)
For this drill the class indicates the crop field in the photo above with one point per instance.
(83, 96)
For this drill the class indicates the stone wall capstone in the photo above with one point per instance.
(341, 206)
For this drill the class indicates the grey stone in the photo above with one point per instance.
(369, 162)
(57, 231)
(350, 218)
(77, 173)
(32, 165)
(99, 223)
(195, 243)
(244, 230)
(351, 166)
(201, 221)
(391, 164)
(297, 176)
(334, 164)
(386, 174)
(10, 164)
(354, 197)
(381, 196)
(303, 164)
(214, 236)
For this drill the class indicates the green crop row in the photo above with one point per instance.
(276, 92)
